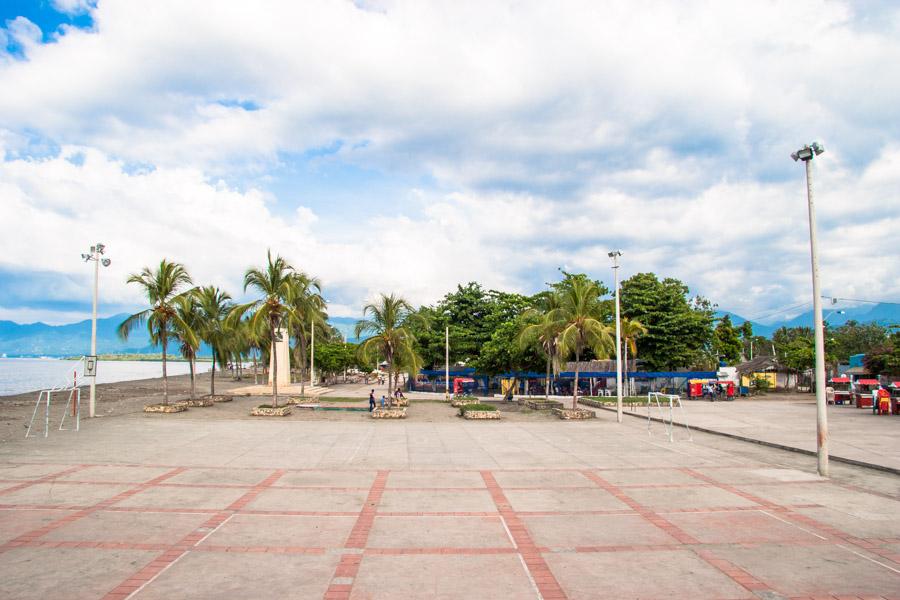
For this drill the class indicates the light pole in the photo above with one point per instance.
(806, 154)
(447, 363)
(96, 252)
(614, 255)
(312, 353)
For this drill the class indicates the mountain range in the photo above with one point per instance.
(40, 339)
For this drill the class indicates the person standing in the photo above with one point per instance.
(371, 400)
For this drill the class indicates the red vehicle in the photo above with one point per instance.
(895, 397)
(697, 387)
(463, 385)
(841, 386)
(862, 392)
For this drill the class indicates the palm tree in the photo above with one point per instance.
(185, 329)
(544, 332)
(308, 311)
(630, 330)
(390, 337)
(214, 306)
(581, 313)
(161, 287)
(274, 282)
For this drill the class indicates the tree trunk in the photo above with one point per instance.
(547, 380)
(191, 363)
(255, 370)
(274, 369)
(301, 338)
(165, 378)
(575, 387)
(212, 379)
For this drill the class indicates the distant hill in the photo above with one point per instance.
(74, 339)
(883, 314)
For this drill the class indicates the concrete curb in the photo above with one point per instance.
(734, 436)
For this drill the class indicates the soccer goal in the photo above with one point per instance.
(666, 404)
(72, 393)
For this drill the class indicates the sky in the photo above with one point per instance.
(410, 146)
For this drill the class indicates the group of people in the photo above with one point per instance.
(398, 395)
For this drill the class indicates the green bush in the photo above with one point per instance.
(761, 384)
(478, 406)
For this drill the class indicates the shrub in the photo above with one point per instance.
(478, 406)
(761, 384)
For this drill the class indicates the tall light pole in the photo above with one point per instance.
(614, 255)
(312, 353)
(447, 363)
(806, 154)
(96, 252)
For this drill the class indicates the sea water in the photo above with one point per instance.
(18, 375)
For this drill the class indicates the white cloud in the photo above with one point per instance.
(533, 135)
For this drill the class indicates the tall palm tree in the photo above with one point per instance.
(185, 329)
(271, 311)
(544, 332)
(630, 330)
(160, 287)
(581, 313)
(308, 312)
(214, 306)
(387, 322)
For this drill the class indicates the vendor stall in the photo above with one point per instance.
(841, 387)
(862, 392)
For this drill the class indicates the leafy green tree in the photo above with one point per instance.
(726, 341)
(307, 314)
(856, 338)
(389, 335)
(333, 357)
(504, 354)
(679, 328)
(185, 329)
(799, 354)
(213, 305)
(161, 287)
(274, 282)
(581, 310)
(630, 330)
(542, 327)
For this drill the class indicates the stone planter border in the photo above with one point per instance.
(165, 408)
(221, 398)
(577, 414)
(481, 415)
(388, 413)
(268, 411)
(457, 402)
(199, 402)
(543, 404)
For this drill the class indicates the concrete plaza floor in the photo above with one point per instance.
(146, 507)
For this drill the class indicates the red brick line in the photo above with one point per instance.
(537, 568)
(155, 509)
(188, 542)
(787, 513)
(268, 549)
(648, 514)
(344, 574)
(89, 544)
(44, 479)
(35, 534)
(738, 575)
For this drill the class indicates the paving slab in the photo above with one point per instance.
(62, 494)
(435, 479)
(218, 575)
(815, 570)
(572, 531)
(739, 527)
(447, 576)
(207, 498)
(71, 573)
(114, 473)
(542, 479)
(439, 532)
(697, 497)
(246, 477)
(132, 527)
(15, 522)
(649, 575)
(282, 531)
(576, 499)
(348, 479)
(309, 500)
(30, 471)
(436, 500)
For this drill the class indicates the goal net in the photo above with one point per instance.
(665, 406)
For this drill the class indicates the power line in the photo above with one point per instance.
(834, 299)
(772, 313)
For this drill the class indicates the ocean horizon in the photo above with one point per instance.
(21, 375)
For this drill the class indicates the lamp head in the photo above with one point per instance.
(85, 257)
(614, 253)
(808, 152)
(100, 248)
(105, 262)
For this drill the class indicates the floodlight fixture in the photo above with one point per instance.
(100, 248)
(85, 257)
(106, 262)
(808, 152)
(614, 253)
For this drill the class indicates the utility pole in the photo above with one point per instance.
(312, 353)
(96, 251)
(806, 154)
(614, 255)
(447, 363)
